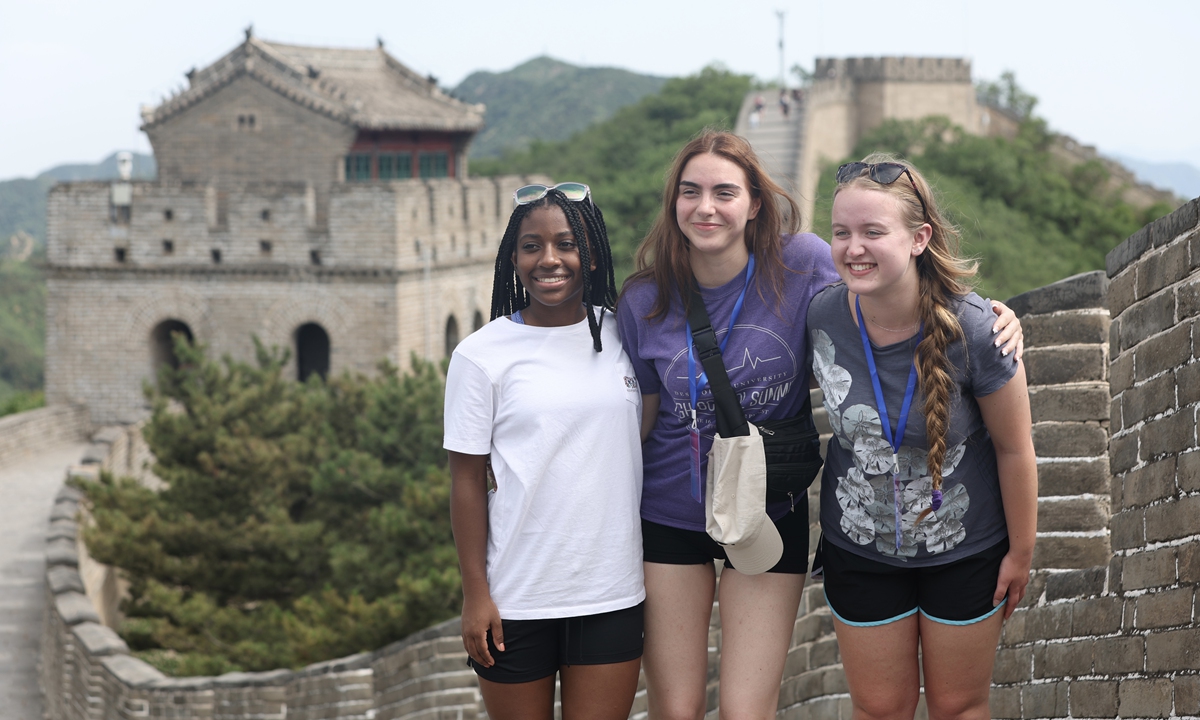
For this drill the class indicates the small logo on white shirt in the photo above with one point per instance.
(630, 383)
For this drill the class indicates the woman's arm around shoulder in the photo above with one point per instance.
(1007, 417)
(469, 521)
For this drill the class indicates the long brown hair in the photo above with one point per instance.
(943, 275)
(663, 256)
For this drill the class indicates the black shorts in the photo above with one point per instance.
(864, 592)
(535, 649)
(674, 546)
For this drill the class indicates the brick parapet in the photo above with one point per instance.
(29, 432)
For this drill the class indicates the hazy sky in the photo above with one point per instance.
(1122, 76)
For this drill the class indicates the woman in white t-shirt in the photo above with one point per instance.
(551, 555)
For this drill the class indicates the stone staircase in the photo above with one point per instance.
(776, 139)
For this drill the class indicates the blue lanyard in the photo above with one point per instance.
(694, 385)
(905, 406)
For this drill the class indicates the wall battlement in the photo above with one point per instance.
(894, 69)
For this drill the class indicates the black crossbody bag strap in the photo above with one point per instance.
(731, 421)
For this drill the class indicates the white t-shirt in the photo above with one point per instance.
(561, 423)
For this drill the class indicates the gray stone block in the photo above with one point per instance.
(1173, 519)
(1097, 616)
(1048, 700)
(75, 608)
(1085, 290)
(1124, 452)
(1084, 327)
(1167, 228)
(1189, 472)
(1120, 373)
(1122, 291)
(62, 578)
(1149, 483)
(1146, 318)
(64, 510)
(1170, 434)
(1127, 529)
(1187, 299)
(1093, 698)
(1073, 477)
(96, 454)
(62, 529)
(261, 679)
(1072, 514)
(68, 493)
(1069, 659)
(1148, 569)
(1084, 583)
(1067, 553)
(99, 640)
(1189, 562)
(1163, 352)
(1124, 255)
(1119, 655)
(1161, 269)
(1055, 439)
(1148, 400)
(1187, 384)
(1005, 702)
(109, 434)
(62, 551)
(1013, 665)
(1145, 698)
(1071, 403)
(1065, 364)
(131, 671)
(1165, 609)
(1049, 621)
(1187, 695)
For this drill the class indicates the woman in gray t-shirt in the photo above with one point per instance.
(929, 493)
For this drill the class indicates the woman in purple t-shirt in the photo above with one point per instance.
(728, 230)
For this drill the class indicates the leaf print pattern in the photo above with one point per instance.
(865, 493)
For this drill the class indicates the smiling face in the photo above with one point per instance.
(547, 261)
(874, 251)
(712, 209)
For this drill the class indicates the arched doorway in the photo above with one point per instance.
(162, 343)
(477, 322)
(312, 351)
(451, 335)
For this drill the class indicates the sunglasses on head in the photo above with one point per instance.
(884, 173)
(573, 191)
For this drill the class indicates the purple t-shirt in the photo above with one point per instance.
(765, 359)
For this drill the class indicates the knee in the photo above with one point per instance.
(952, 705)
(678, 708)
(884, 705)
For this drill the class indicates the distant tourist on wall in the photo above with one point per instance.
(728, 231)
(545, 398)
(759, 103)
(785, 102)
(755, 119)
(929, 494)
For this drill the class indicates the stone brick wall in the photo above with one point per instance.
(399, 260)
(34, 430)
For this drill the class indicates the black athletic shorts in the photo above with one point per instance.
(675, 546)
(864, 592)
(534, 649)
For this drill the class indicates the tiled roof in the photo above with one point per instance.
(369, 89)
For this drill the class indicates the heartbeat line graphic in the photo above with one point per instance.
(752, 361)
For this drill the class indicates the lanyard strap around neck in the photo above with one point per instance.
(696, 385)
(905, 406)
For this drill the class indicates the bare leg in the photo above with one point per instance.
(758, 614)
(958, 663)
(881, 668)
(599, 692)
(519, 701)
(679, 602)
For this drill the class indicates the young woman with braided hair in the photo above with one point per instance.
(545, 397)
(729, 231)
(929, 494)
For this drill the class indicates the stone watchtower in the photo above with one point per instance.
(316, 198)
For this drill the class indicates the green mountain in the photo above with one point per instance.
(547, 99)
(624, 158)
(23, 200)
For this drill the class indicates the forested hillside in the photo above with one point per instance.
(624, 158)
(1029, 218)
(547, 99)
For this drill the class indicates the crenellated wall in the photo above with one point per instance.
(1109, 627)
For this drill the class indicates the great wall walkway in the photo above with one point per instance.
(28, 484)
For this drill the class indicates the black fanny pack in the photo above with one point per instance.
(792, 445)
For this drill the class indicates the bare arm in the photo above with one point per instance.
(1006, 415)
(469, 521)
(1007, 328)
(649, 414)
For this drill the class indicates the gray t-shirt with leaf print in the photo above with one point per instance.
(859, 502)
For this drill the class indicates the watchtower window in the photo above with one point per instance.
(314, 257)
(119, 254)
(395, 166)
(168, 247)
(451, 335)
(312, 351)
(216, 256)
(246, 122)
(434, 164)
(477, 321)
(162, 343)
(264, 247)
(265, 215)
(168, 215)
(358, 167)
